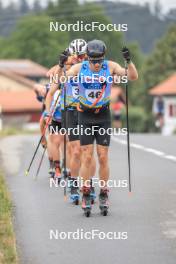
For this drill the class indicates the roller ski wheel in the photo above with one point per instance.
(104, 211)
(86, 201)
(87, 212)
(104, 202)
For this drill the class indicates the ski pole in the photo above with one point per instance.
(40, 163)
(65, 139)
(128, 131)
(44, 130)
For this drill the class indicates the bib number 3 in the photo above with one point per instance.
(75, 92)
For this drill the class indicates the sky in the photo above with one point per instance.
(166, 4)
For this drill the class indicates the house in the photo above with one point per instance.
(19, 108)
(18, 104)
(10, 81)
(167, 89)
(25, 68)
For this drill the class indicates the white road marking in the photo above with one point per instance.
(146, 149)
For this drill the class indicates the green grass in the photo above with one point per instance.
(16, 131)
(8, 254)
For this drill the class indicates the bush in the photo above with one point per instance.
(137, 119)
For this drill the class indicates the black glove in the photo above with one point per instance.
(126, 54)
(63, 58)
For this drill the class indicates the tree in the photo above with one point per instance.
(162, 61)
(86, 13)
(36, 6)
(24, 7)
(33, 40)
(1, 7)
(157, 8)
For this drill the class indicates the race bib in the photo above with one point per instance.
(93, 94)
(75, 92)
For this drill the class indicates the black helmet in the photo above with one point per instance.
(96, 48)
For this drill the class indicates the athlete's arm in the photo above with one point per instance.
(50, 95)
(74, 70)
(52, 71)
(39, 89)
(116, 69)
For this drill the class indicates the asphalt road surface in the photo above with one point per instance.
(147, 217)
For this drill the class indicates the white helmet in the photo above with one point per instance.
(77, 46)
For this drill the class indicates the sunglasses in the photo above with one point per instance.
(94, 61)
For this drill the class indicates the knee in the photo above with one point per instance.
(76, 154)
(56, 141)
(103, 159)
(87, 160)
(76, 151)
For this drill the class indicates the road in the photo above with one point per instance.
(148, 215)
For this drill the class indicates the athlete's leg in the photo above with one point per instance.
(42, 127)
(92, 173)
(55, 145)
(103, 141)
(93, 167)
(75, 159)
(102, 152)
(86, 162)
(68, 153)
(55, 142)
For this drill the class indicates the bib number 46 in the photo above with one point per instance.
(92, 95)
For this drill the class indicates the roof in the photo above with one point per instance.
(19, 101)
(23, 67)
(166, 87)
(25, 82)
(25, 100)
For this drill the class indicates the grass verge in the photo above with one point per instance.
(15, 131)
(8, 253)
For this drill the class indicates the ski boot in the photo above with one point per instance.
(69, 183)
(74, 190)
(65, 173)
(51, 170)
(86, 201)
(92, 193)
(104, 202)
(57, 175)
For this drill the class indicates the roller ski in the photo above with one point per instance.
(104, 201)
(92, 193)
(74, 191)
(86, 201)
